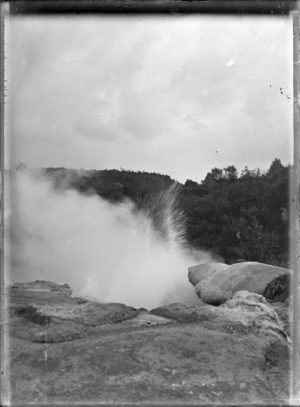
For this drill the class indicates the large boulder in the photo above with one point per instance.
(202, 271)
(270, 281)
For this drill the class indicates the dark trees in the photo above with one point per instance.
(237, 216)
(242, 216)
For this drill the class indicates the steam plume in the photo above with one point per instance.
(112, 252)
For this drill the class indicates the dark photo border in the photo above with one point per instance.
(81, 7)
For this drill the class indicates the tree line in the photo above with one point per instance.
(237, 216)
(242, 216)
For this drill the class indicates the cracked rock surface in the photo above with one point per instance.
(69, 350)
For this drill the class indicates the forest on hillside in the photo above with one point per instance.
(237, 216)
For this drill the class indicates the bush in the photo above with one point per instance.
(258, 244)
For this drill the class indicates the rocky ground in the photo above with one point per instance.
(73, 350)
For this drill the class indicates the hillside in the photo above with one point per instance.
(234, 215)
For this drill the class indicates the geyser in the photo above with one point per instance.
(112, 252)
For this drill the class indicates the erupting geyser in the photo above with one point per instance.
(112, 252)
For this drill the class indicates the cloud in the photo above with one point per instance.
(91, 87)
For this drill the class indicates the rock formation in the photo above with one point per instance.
(42, 285)
(270, 281)
(202, 271)
(74, 350)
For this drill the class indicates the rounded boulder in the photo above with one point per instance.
(202, 271)
(270, 281)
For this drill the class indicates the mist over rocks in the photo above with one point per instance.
(270, 281)
(66, 349)
(112, 251)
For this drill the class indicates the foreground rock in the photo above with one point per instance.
(245, 311)
(237, 353)
(63, 318)
(202, 271)
(42, 285)
(284, 312)
(270, 281)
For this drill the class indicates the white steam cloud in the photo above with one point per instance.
(111, 252)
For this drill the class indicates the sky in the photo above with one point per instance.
(177, 95)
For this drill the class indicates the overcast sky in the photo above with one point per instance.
(177, 95)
